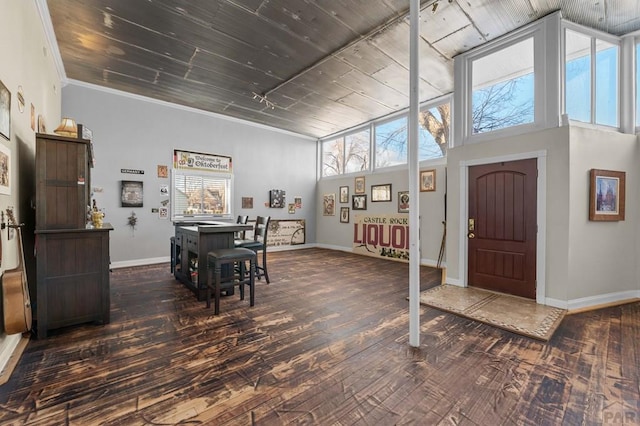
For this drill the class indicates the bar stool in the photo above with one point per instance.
(236, 257)
(258, 243)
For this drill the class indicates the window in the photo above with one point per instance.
(201, 187)
(356, 149)
(503, 88)
(434, 131)
(391, 142)
(591, 79)
(333, 157)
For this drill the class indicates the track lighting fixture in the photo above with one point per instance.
(263, 98)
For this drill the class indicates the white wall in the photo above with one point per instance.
(333, 234)
(27, 62)
(602, 255)
(131, 132)
(585, 263)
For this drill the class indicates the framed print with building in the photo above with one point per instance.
(427, 180)
(5, 111)
(606, 195)
(381, 192)
(359, 185)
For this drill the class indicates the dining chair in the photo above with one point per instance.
(258, 244)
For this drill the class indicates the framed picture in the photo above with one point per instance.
(359, 202)
(381, 192)
(359, 185)
(276, 198)
(329, 205)
(427, 180)
(131, 195)
(344, 194)
(5, 111)
(606, 195)
(403, 202)
(292, 208)
(5, 170)
(247, 202)
(344, 214)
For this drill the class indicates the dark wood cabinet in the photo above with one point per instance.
(73, 277)
(72, 261)
(63, 182)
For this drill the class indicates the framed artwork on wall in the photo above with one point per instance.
(344, 214)
(344, 194)
(5, 111)
(403, 202)
(5, 170)
(359, 185)
(381, 192)
(131, 195)
(427, 180)
(606, 195)
(359, 202)
(329, 205)
(277, 198)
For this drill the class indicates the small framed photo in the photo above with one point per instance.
(359, 185)
(403, 202)
(292, 208)
(247, 202)
(344, 194)
(606, 195)
(427, 180)
(344, 214)
(329, 205)
(381, 192)
(277, 198)
(5, 170)
(359, 202)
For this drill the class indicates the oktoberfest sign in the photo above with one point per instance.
(384, 236)
(187, 160)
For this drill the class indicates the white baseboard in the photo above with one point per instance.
(593, 301)
(167, 259)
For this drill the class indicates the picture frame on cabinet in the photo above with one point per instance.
(5, 170)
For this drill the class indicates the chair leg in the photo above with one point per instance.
(264, 266)
(209, 286)
(252, 284)
(242, 278)
(218, 275)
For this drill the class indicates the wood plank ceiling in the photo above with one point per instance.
(324, 65)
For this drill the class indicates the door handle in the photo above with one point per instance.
(471, 235)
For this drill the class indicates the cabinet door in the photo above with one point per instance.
(62, 185)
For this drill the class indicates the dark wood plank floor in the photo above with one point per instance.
(326, 343)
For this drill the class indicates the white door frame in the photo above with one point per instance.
(541, 201)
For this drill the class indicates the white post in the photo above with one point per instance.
(414, 209)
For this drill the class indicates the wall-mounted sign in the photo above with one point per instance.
(382, 236)
(132, 171)
(188, 160)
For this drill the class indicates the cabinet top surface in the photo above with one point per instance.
(105, 227)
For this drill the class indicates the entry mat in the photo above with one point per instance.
(511, 313)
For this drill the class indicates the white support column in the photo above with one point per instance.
(414, 210)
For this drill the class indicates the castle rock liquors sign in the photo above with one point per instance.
(187, 160)
(384, 236)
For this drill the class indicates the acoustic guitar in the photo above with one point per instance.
(15, 291)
